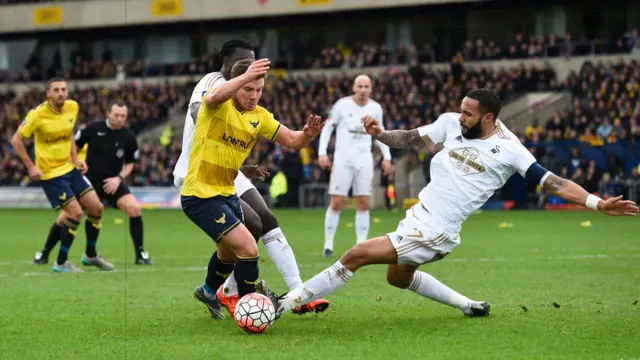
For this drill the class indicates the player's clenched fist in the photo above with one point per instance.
(314, 126)
(371, 126)
(257, 69)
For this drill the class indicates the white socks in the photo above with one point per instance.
(280, 252)
(429, 287)
(362, 226)
(331, 220)
(326, 282)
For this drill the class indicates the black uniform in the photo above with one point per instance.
(108, 151)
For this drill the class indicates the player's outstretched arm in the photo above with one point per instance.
(299, 139)
(398, 139)
(574, 193)
(225, 91)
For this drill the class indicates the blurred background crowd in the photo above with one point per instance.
(594, 141)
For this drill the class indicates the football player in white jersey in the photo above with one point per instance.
(352, 159)
(479, 156)
(260, 221)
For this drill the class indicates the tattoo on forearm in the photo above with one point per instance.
(401, 139)
(554, 183)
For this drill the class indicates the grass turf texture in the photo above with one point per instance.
(592, 274)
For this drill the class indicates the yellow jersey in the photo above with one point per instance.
(222, 140)
(53, 134)
(82, 153)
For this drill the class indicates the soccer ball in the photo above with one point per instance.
(254, 313)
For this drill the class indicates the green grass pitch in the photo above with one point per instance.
(591, 272)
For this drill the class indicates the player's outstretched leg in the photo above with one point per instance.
(375, 251)
(42, 257)
(130, 206)
(278, 249)
(94, 209)
(67, 234)
(421, 283)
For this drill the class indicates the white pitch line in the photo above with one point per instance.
(159, 268)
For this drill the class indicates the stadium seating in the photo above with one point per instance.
(599, 127)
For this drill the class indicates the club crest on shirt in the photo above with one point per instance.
(254, 124)
(467, 161)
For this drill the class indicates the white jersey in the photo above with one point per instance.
(353, 144)
(466, 173)
(207, 82)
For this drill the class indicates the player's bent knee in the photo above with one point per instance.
(134, 211)
(269, 221)
(241, 242)
(248, 251)
(356, 257)
(251, 220)
(73, 210)
(398, 281)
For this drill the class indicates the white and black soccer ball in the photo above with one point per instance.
(254, 313)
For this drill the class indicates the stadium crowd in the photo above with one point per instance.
(604, 99)
(342, 55)
(597, 138)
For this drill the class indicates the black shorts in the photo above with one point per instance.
(63, 189)
(111, 199)
(216, 216)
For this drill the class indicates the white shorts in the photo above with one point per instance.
(344, 177)
(419, 240)
(241, 183)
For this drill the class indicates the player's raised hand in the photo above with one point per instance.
(371, 126)
(314, 126)
(257, 69)
(254, 172)
(35, 173)
(618, 207)
(324, 161)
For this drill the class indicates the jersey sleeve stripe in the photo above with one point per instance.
(276, 132)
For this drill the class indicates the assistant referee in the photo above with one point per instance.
(112, 151)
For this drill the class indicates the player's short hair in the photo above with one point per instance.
(118, 103)
(488, 101)
(227, 49)
(241, 67)
(55, 79)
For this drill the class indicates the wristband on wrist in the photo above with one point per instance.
(592, 202)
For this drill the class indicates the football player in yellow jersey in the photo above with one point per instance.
(59, 171)
(227, 127)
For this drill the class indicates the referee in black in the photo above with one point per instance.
(112, 150)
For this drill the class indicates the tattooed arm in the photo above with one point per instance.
(399, 139)
(568, 190)
(574, 193)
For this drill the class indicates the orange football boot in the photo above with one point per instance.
(229, 302)
(316, 306)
